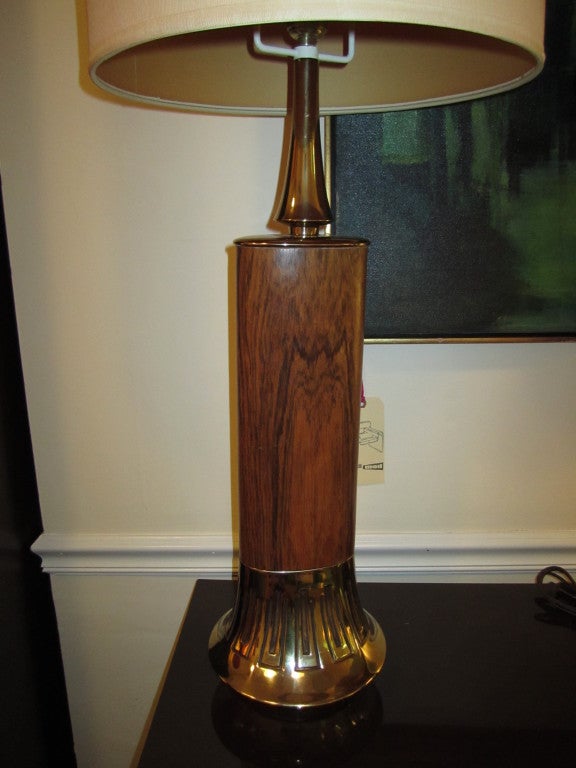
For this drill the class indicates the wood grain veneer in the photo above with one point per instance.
(300, 340)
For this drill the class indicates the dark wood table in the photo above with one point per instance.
(473, 677)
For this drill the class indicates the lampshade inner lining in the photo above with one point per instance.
(395, 66)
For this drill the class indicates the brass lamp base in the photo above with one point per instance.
(297, 638)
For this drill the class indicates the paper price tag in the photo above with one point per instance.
(371, 443)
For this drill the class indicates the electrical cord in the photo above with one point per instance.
(559, 608)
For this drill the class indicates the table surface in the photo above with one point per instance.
(473, 677)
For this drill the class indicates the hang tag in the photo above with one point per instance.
(371, 442)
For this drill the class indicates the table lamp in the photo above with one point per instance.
(298, 635)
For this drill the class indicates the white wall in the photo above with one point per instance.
(118, 219)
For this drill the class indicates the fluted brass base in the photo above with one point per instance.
(297, 638)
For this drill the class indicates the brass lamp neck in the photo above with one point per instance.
(304, 203)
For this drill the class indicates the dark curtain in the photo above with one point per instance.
(35, 727)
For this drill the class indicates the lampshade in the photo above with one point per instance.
(198, 54)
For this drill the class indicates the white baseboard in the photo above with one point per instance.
(378, 557)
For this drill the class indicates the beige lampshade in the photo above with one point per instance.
(198, 54)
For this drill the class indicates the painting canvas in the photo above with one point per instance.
(470, 209)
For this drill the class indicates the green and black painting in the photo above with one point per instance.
(470, 208)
